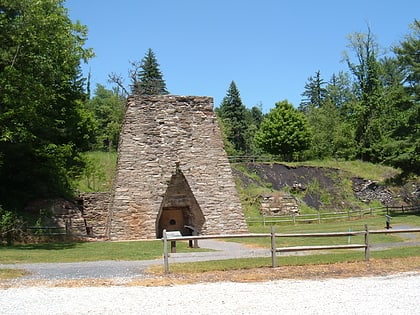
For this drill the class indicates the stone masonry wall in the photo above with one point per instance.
(158, 132)
(95, 211)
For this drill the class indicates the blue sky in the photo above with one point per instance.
(268, 47)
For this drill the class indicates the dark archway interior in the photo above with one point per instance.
(179, 210)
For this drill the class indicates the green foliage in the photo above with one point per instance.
(371, 113)
(107, 107)
(148, 79)
(408, 57)
(98, 173)
(238, 124)
(403, 147)
(369, 92)
(10, 227)
(331, 136)
(254, 118)
(314, 94)
(43, 122)
(284, 131)
(232, 114)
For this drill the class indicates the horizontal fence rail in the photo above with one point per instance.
(46, 230)
(273, 235)
(275, 250)
(333, 216)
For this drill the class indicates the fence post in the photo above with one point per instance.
(294, 219)
(273, 247)
(319, 217)
(367, 248)
(165, 251)
(263, 219)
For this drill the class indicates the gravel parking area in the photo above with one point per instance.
(397, 294)
(113, 293)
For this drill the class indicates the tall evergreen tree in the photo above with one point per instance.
(149, 80)
(339, 90)
(314, 94)
(233, 114)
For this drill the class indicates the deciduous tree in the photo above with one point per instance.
(403, 146)
(43, 122)
(284, 131)
(107, 107)
(369, 92)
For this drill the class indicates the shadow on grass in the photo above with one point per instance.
(45, 246)
(397, 214)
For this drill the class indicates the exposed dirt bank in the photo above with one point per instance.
(326, 188)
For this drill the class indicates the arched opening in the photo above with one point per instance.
(179, 210)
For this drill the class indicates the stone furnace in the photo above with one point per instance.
(172, 171)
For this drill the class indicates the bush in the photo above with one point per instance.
(10, 227)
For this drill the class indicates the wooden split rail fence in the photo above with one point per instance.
(175, 236)
(332, 216)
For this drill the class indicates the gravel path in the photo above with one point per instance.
(398, 294)
(131, 269)
(136, 269)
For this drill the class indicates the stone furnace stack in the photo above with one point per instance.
(172, 172)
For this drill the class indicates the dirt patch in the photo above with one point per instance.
(374, 267)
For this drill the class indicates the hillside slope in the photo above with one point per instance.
(322, 188)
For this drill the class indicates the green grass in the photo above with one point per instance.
(374, 223)
(357, 168)
(99, 173)
(315, 259)
(6, 274)
(85, 251)
(145, 250)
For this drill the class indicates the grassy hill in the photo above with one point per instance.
(325, 186)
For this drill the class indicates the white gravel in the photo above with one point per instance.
(397, 294)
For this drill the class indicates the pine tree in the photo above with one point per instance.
(149, 80)
(314, 94)
(233, 114)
